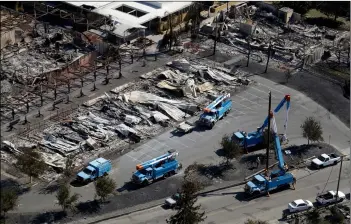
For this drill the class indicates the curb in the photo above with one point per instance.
(153, 205)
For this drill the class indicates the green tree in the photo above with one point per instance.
(231, 149)
(188, 212)
(312, 130)
(251, 221)
(337, 216)
(69, 166)
(65, 199)
(313, 217)
(333, 8)
(104, 186)
(8, 199)
(31, 163)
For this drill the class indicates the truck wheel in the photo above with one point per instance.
(255, 193)
(145, 183)
(211, 125)
(335, 162)
(105, 174)
(166, 175)
(320, 166)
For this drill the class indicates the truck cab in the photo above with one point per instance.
(256, 186)
(216, 110)
(248, 140)
(96, 168)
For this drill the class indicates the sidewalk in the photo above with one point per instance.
(129, 72)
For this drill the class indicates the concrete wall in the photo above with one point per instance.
(247, 28)
(7, 38)
(65, 73)
(314, 57)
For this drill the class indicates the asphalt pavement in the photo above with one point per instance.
(223, 207)
(249, 111)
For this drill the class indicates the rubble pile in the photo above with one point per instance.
(34, 53)
(134, 111)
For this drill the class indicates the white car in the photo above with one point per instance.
(300, 205)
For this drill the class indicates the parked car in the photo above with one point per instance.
(330, 197)
(172, 201)
(299, 205)
(326, 160)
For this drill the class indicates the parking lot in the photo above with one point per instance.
(250, 108)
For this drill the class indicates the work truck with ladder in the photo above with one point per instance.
(219, 108)
(160, 167)
(256, 138)
(264, 183)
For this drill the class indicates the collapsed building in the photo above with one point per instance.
(35, 57)
(261, 27)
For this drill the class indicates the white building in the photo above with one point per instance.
(131, 16)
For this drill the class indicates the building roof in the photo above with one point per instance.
(143, 11)
(299, 201)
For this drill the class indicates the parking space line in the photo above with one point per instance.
(152, 148)
(198, 134)
(145, 154)
(238, 111)
(256, 96)
(271, 88)
(189, 139)
(134, 159)
(242, 105)
(179, 142)
(262, 91)
(250, 101)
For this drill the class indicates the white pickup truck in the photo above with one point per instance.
(330, 197)
(325, 160)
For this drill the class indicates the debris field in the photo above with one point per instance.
(130, 113)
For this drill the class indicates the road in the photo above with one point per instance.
(223, 207)
(249, 111)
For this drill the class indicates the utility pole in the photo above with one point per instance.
(269, 55)
(337, 188)
(215, 37)
(170, 32)
(269, 132)
(249, 52)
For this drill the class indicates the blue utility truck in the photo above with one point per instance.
(216, 110)
(96, 168)
(260, 183)
(160, 167)
(256, 138)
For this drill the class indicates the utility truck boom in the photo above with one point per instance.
(160, 167)
(256, 138)
(278, 178)
(216, 110)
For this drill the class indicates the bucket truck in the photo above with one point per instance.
(160, 167)
(216, 110)
(256, 138)
(260, 183)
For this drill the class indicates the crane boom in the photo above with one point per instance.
(278, 148)
(216, 102)
(151, 162)
(286, 100)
